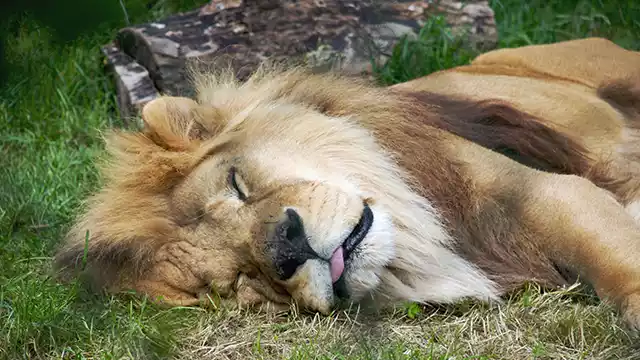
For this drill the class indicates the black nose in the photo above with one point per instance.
(290, 245)
(293, 225)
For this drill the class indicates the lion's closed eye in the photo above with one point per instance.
(237, 184)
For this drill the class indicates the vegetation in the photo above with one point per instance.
(53, 105)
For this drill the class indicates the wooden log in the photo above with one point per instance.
(134, 87)
(322, 34)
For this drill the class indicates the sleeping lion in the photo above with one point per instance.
(322, 191)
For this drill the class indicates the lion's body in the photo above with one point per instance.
(576, 88)
(452, 216)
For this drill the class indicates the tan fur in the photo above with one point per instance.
(453, 216)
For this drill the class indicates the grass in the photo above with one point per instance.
(52, 109)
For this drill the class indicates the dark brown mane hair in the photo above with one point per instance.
(497, 125)
(523, 137)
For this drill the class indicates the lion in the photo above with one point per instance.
(320, 190)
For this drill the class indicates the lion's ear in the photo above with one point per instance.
(178, 123)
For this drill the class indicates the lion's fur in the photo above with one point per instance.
(465, 220)
(142, 172)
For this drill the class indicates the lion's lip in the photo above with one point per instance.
(342, 253)
(359, 231)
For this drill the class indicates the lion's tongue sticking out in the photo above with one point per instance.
(336, 264)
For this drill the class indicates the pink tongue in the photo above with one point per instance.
(336, 264)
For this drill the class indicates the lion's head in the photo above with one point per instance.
(268, 191)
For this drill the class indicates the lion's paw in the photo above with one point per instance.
(631, 311)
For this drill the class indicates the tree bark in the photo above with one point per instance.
(150, 59)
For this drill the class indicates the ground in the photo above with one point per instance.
(53, 107)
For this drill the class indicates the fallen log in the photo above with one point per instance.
(149, 59)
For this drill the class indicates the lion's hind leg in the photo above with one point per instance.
(582, 227)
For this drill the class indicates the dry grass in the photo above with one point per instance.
(532, 325)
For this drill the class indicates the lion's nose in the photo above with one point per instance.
(292, 247)
(293, 225)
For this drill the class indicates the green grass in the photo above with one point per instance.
(52, 109)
